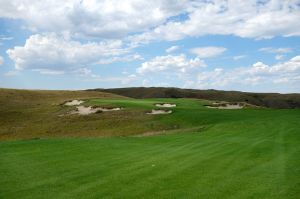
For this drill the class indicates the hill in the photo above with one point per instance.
(35, 113)
(271, 100)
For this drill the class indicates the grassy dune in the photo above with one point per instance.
(26, 114)
(248, 153)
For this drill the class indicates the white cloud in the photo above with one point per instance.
(276, 50)
(207, 52)
(238, 57)
(279, 51)
(172, 49)
(106, 19)
(58, 53)
(282, 76)
(258, 74)
(156, 19)
(127, 58)
(170, 64)
(5, 38)
(279, 57)
(247, 19)
(1, 61)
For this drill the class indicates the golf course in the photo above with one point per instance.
(49, 151)
(139, 99)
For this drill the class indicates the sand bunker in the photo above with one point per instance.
(226, 106)
(166, 105)
(158, 112)
(74, 102)
(82, 110)
(109, 109)
(86, 110)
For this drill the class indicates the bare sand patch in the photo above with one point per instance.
(159, 112)
(74, 103)
(165, 105)
(82, 110)
(109, 109)
(86, 110)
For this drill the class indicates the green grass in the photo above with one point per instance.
(250, 153)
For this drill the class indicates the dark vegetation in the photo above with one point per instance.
(271, 100)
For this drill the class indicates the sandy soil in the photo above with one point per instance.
(166, 105)
(158, 112)
(74, 102)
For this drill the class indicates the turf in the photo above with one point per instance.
(250, 153)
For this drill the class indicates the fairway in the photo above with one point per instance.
(196, 152)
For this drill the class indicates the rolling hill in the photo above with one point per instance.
(271, 100)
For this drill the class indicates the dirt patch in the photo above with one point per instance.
(74, 103)
(166, 105)
(159, 112)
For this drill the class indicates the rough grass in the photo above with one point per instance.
(26, 114)
(248, 153)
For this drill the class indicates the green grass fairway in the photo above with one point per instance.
(197, 152)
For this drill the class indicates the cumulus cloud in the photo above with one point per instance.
(156, 19)
(207, 52)
(52, 52)
(247, 19)
(1, 61)
(106, 19)
(172, 49)
(170, 64)
(258, 74)
(191, 73)
(115, 27)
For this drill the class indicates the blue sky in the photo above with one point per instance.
(228, 45)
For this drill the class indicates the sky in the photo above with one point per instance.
(251, 45)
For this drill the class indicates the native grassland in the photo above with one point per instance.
(195, 152)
